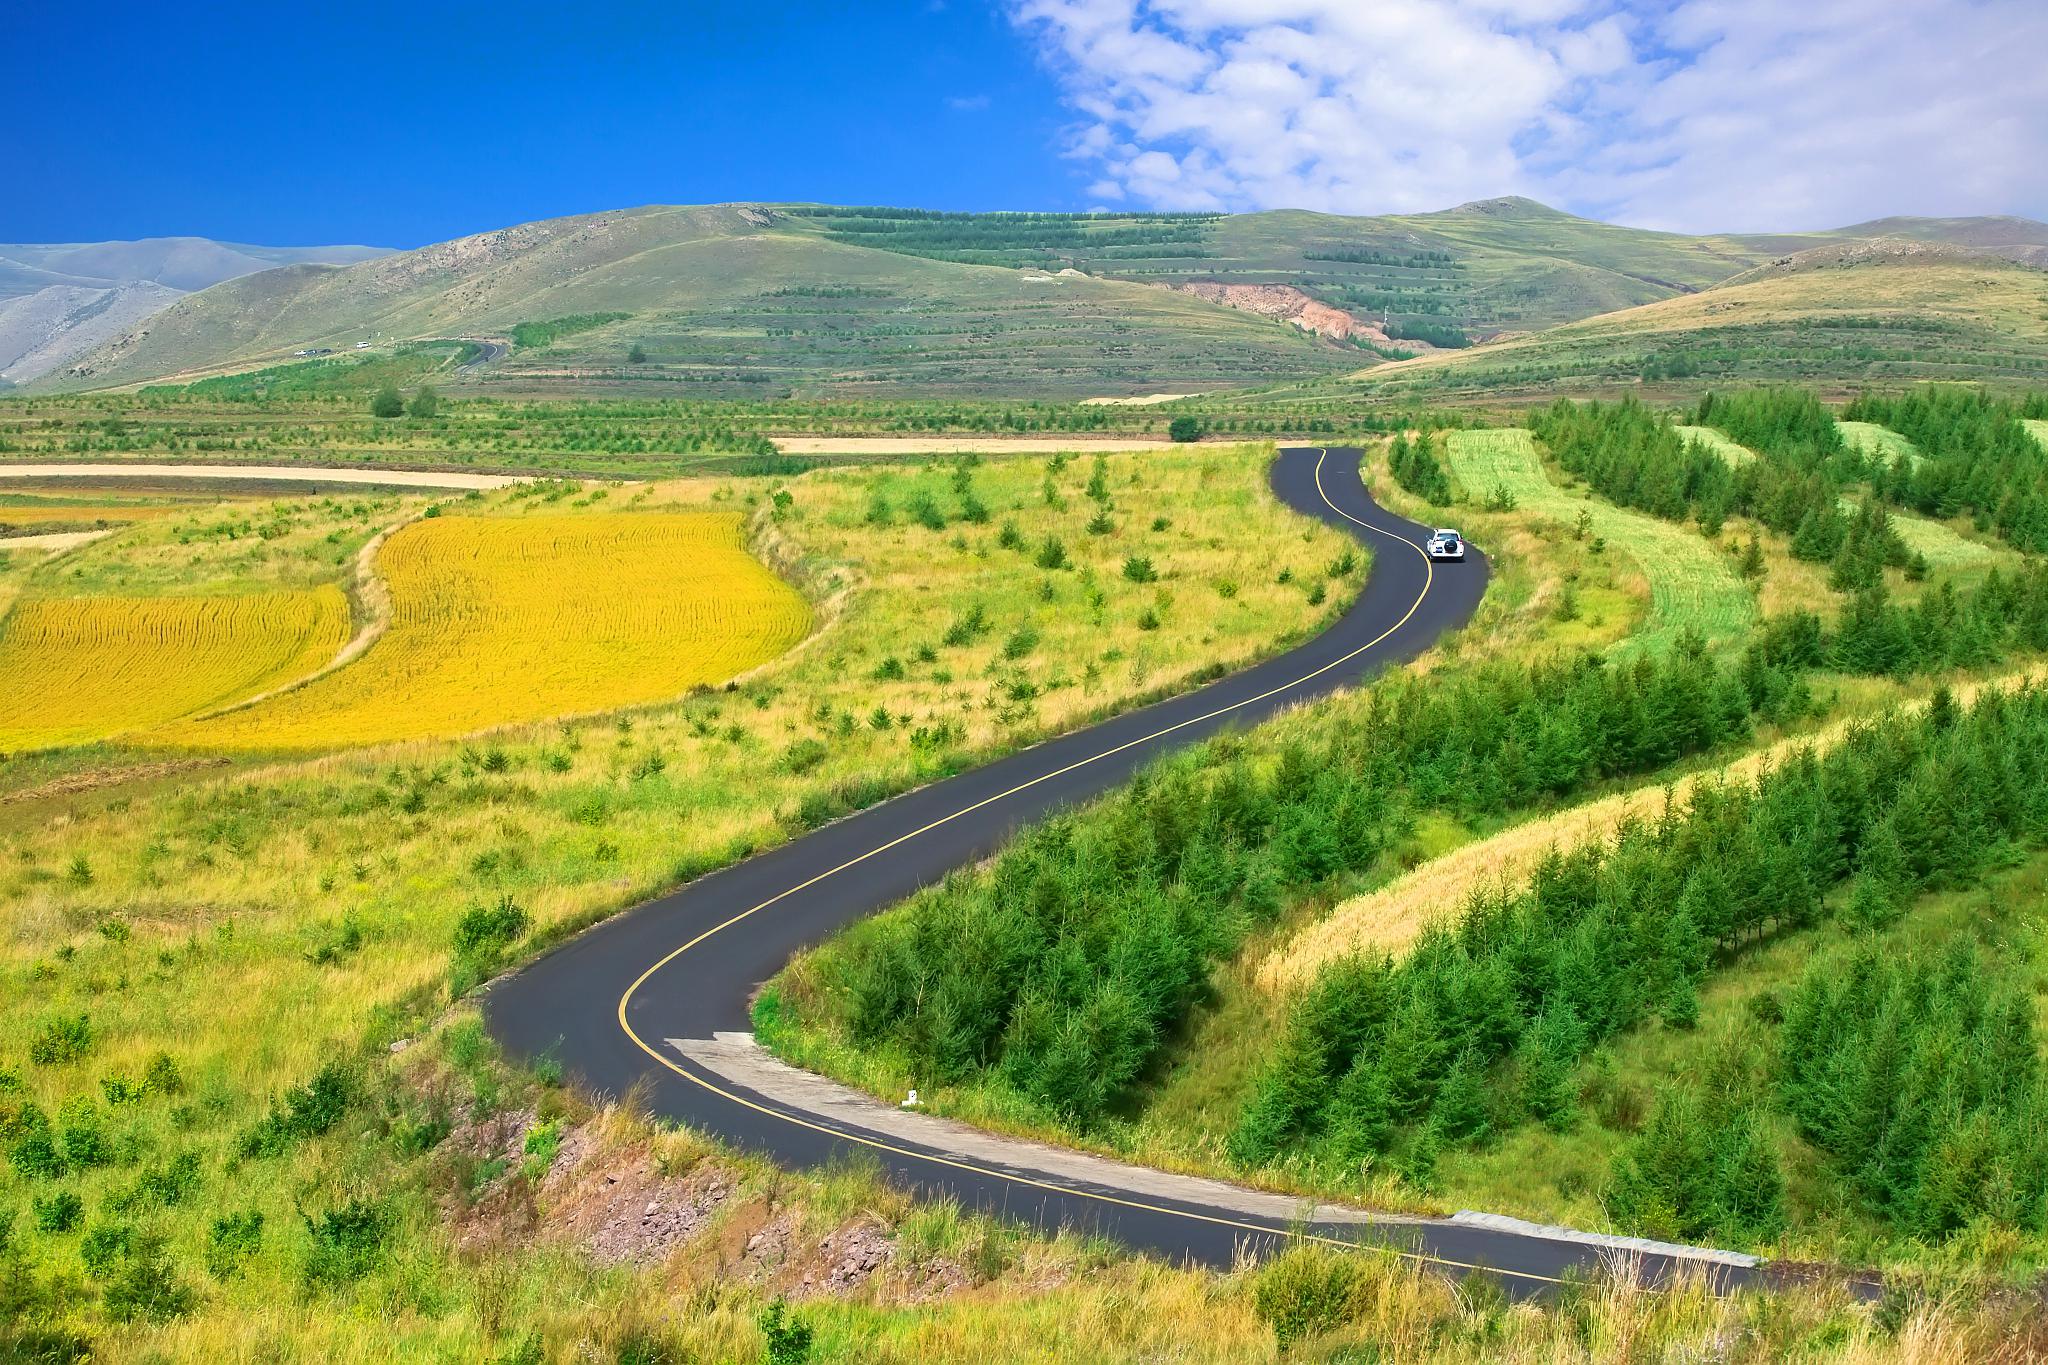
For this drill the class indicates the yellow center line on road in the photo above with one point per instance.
(1215, 1220)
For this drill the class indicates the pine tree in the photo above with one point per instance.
(1460, 1111)
(1546, 1058)
(1750, 1201)
(1752, 562)
(1419, 1168)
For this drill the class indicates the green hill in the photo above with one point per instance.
(1844, 315)
(811, 300)
(725, 301)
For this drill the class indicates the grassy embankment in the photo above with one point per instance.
(256, 929)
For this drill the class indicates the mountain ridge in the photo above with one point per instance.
(807, 299)
(59, 300)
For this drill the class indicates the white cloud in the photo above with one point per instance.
(1692, 114)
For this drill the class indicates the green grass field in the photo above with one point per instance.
(1712, 439)
(1881, 441)
(256, 927)
(2040, 431)
(1692, 586)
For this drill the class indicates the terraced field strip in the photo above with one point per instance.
(1691, 584)
(34, 513)
(499, 620)
(1736, 455)
(261, 473)
(961, 445)
(79, 669)
(1390, 919)
(1942, 546)
(1881, 441)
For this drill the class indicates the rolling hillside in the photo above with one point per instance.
(810, 300)
(1842, 315)
(60, 300)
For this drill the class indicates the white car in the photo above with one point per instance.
(1446, 544)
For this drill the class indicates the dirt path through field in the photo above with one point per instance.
(958, 445)
(355, 474)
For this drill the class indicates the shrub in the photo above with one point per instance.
(803, 755)
(1309, 1290)
(488, 929)
(104, 1246)
(426, 403)
(789, 1339)
(81, 1134)
(58, 1213)
(1139, 569)
(389, 402)
(1182, 430)
(924, 510)
(34, 1151)
(1052, 554)
(302, 1112)
(64, 1038)
(967, 628)
(346, 1243)
(147, 1286)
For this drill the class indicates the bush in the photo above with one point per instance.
(81, 1134)
(389, 402)
(302, 1112)
(426, 403)
(58, 1213)
(147, 1286)
(1183, 430)
(346, 1244)
(64, 1038)
(489, 929)
(1309, 1290)
(231, 1241)
(789, 1339)
(1139, 569)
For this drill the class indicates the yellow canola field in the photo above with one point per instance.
(78, 669)
(497, 621)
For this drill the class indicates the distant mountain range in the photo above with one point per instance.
(60, 300)
(769, 300)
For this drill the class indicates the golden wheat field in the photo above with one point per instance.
(78, 669)
(495, 621)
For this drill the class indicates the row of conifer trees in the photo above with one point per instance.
(1905, 1076)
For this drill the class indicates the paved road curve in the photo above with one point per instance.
(684, 966)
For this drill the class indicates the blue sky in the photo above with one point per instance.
(399, 125)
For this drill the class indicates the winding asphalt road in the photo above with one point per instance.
(685, 966)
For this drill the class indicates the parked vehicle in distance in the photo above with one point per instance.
(1446, 544)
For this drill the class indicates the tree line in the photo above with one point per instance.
(1636, 457)
(1063, 968)
(1980, 459)
(1385, 1057)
